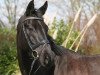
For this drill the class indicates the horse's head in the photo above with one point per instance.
(34, 34)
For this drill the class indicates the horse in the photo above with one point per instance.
(39, 55)
(34, 53)
(72, 63)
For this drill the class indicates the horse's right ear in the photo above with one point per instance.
(30, 8)
(41, 11)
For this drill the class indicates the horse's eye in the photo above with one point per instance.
(26, 25)
(30, 28)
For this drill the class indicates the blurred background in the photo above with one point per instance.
(73, 24)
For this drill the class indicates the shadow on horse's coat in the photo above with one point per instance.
(34, 52)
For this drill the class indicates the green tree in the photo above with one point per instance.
(62, 32)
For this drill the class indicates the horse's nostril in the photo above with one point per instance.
(35, 54)
(46, 60)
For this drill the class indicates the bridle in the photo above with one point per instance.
(35, 54)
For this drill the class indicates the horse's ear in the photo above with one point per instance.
(41, 11)
(30, 8)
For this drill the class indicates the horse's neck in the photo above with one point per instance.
(59, 50)
(62, 51)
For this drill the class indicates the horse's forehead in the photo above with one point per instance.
(22, 19)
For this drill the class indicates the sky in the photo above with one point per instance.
(52, 10)
(1, 1)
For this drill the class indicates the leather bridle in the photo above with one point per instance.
(35, 54)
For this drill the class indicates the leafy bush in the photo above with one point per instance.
(59, 31)
(8, 61)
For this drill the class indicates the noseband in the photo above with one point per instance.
(35, 54)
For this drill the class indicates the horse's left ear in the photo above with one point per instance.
(41, 11)
(30, 8)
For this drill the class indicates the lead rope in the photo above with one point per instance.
(37, 69)
(33, 62)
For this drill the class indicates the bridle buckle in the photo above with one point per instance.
(35, 54)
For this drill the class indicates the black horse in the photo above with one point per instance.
(35, 56)
(39, 55)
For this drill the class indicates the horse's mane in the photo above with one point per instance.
(58, 50)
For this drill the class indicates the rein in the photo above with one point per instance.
(35, 54)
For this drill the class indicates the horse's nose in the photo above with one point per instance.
(46, 61)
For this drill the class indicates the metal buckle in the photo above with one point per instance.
(35, 54)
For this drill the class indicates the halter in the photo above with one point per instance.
(35, 54)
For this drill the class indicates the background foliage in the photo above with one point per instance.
(8, 59)
(59, 31)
